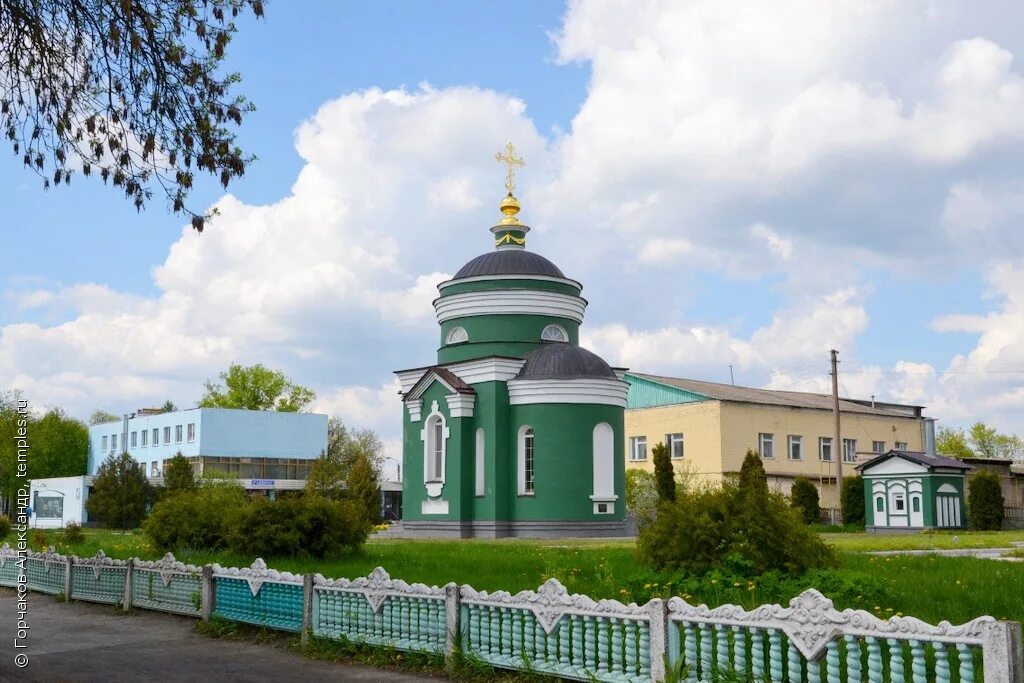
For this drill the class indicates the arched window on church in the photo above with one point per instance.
(555, 333)
(604, 469)
(435, 448)
(458, 335)
(526, 461)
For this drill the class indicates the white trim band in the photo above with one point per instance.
(510, 302)
(513, 276)
(610, 392)
(460, 405)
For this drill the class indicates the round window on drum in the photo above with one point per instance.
(458, 335)
(554, 333)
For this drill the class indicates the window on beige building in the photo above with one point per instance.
(901, 446)
(849, 450)
(675, 445)
(825, 448)
(796, 447)
(766, 445)
(878, 446)
(638, 448)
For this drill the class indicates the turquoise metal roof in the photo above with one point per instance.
(646, 393)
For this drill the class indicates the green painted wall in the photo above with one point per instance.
(489, 285)
(491, 413)
(644, 393)
(563, 447)
(500, 335)
(930, 484)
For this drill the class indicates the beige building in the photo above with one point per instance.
(708, 428)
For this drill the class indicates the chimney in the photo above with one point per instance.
(929, 435)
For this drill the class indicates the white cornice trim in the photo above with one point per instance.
(487, 370)
(415, 409)
(611, 392)
(460, 405)
(408, 378)
(510, 302)
(485, 278)
(423, 385)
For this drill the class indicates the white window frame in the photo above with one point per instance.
(554, 333)
(113, 442)
(875, 448)
(156, 436)
(167, 435)
(177, 433)
(670, 442)
(144, 440)
(763, 439)
(795, 440)
(824, 441)
(480, 481)
(190, 433)
(457, 335)
(135, 437)
(153, 470)
(604, 468)
(849, 450)
(527, 440)
(901, 446)
(103, 443)
(634, 442)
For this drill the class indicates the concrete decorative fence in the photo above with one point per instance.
(550, 630)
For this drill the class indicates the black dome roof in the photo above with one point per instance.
(509, 262)
(563, 361)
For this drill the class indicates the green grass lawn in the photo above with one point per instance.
(928, 587)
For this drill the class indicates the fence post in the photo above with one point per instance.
(658, 612)
(307, 607)
(452, 610)
(129, 579)
(69, 562)
(209, 593)
(1002, 657)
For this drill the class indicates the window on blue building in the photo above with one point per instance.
(192, 431)
(145, 435)
(177, 434)
(167, 435)
(135, 439)
(104, 442)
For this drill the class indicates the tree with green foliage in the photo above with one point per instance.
(364, 488)
(255, 387)
(985, 504)
(328, 472)
(804, 497)
(99, 417)
(134, 91)
(641, 495)
(664, 473)
(120, 493)
(168, 407)
(178, 475)
(740, 523)
(851, 500)
(196, 518)
(953, 443)
(988, 442)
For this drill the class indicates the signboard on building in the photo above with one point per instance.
(262, 483)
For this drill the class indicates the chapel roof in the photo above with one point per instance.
(558, 360)
(921, 458)
(509, 262)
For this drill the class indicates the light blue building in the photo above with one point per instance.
(266, 451)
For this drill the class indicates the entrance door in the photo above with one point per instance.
(916, 511)
(948, 510)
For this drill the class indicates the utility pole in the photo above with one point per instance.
(837, 440)
(732, 380)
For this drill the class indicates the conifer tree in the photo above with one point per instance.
(120, 493)
(664, 474)
(364, 488)
(178, 475)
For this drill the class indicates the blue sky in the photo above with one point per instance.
(732, 185)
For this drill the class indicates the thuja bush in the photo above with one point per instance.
(5, 526)
(196, 518)
(852, 500)
(804, 497)
(985, 502)
(740, 523)
(304, 526)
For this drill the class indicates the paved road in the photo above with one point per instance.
(87, 642)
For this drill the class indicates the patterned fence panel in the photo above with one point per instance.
(98, 579)
(379, 610)
(46, 571)
(811, 641)
(261, 596)
(168, 585)
(9, 566)
(571, 636)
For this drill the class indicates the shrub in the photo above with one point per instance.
(196, 518)
(40, 540)
(664, 473)
(641, 495)
(985, 502)
(364, 488)
(178, 475)
(5, 526)
(739, 523)
(310, 525)
(120, 493)
(804, 497)
(72, 533)
(852, 500)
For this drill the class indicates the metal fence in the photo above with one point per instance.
(549, 630)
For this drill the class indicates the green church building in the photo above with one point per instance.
(516, 430)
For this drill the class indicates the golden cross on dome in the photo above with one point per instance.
(509, 159)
